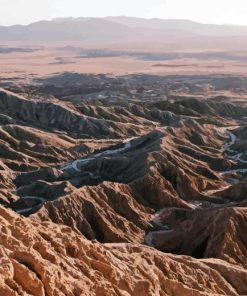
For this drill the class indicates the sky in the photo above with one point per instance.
(205, 11)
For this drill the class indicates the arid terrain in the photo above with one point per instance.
(28, 61)
(123, 171)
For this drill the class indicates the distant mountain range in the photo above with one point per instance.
(116, 29)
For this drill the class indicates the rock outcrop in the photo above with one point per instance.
(202, 233)
(121, 192)
(49, 259)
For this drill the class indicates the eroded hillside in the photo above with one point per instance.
(120, 186)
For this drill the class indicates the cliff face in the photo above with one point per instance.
(50, 259)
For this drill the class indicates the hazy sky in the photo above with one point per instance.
(207, 11)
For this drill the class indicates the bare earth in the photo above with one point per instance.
(60, 58)
(123, 171)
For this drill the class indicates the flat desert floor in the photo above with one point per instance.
(44, 60)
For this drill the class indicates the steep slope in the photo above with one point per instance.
(128, 182)
(42, 114)
(111, 193)
(100, 175)
(202, 233)
(49, 259)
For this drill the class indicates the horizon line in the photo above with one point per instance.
(126, 16)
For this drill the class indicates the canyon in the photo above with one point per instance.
(123, 185)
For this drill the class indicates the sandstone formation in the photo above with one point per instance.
(202, 233)
(48, 259)
(108, 187)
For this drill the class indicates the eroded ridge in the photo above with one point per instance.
(122, 191)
